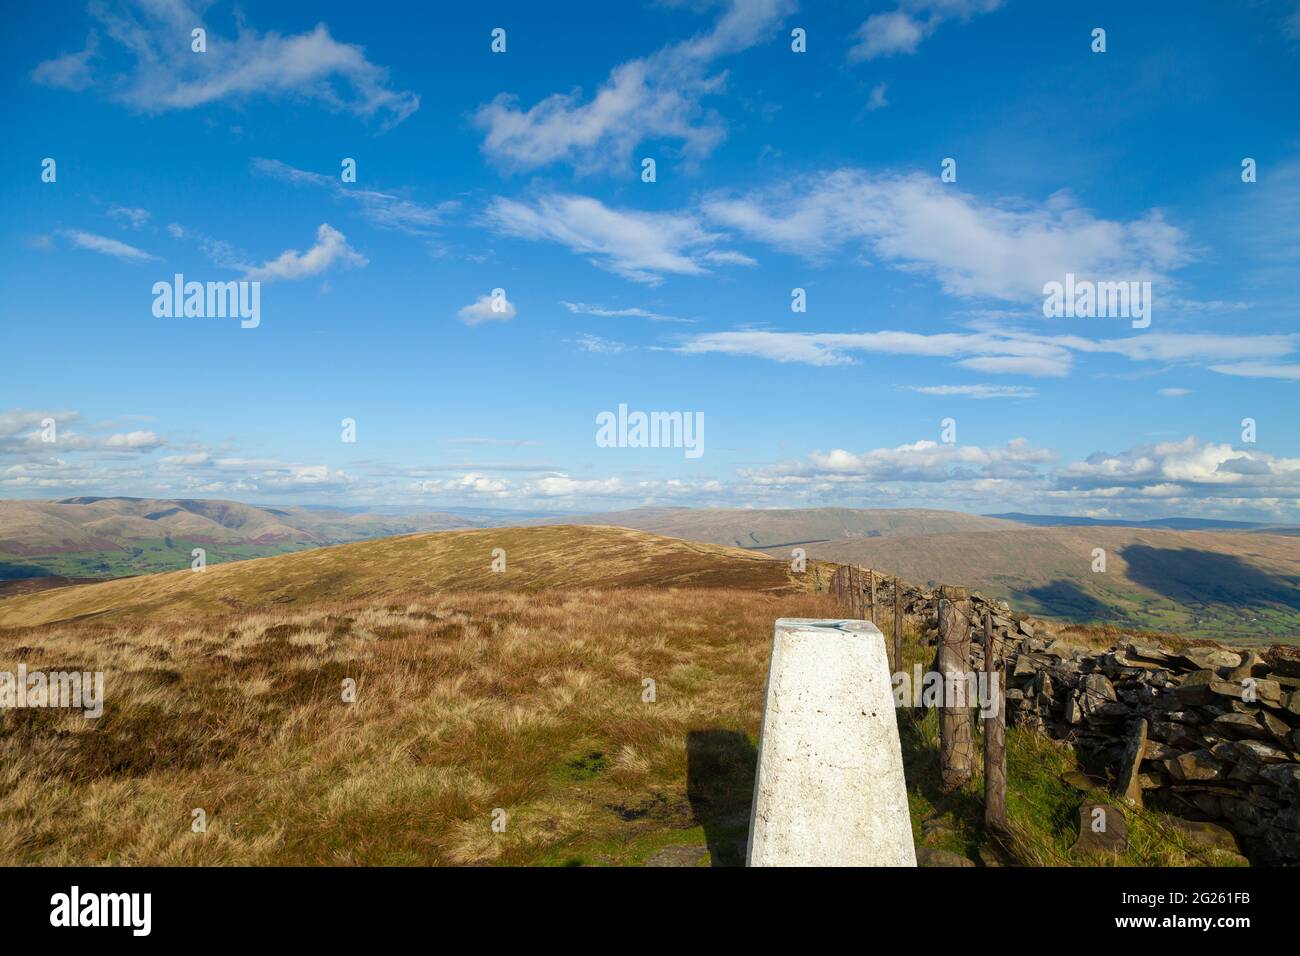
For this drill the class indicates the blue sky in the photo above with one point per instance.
(775, 170)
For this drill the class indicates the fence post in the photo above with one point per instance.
(898, 625)
(956, 746)
(873, 595)
(995, 739)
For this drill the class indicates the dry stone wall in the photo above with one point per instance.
(1215, 731)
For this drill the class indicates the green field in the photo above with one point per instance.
(145, 557)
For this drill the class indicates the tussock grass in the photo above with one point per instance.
(466, 702)
(474, 693)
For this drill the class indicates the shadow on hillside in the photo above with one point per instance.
(1185, 575)
(1066, 599)
(720, 767)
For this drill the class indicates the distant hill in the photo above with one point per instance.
(771, 527)
(114, 537)
(1172, 524)
(1222, 584)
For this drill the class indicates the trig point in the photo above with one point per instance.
(829, 790)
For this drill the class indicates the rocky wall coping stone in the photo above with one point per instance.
(1193, 766)
(1211, 658)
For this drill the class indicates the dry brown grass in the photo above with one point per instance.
(467, 701)
(537, 559)
(475, 691)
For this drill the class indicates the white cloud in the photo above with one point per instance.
(918, 224)
(1175, 392)
(470, 484)
(185, 461)
(481, 310)
(562, 486)
(71, 71)
(877, 100)
(1019, 353)
(594, 343)
(901, 30)
(1259, 370)
(106, 246)
(582, 308)
(382, 209)
(15, 420)
(166, 75)
(922, 461)
(129, 216)
(641, 246)
(1184, 468)
(975, 391)
(655, 97)
(331, 247)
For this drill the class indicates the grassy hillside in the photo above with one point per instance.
(119, 537)
(475, 692)
(759, 528)
(1217, 584)
(536, 559)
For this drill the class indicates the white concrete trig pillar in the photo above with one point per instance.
(829, 790)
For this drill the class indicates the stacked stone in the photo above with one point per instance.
(1217, 729)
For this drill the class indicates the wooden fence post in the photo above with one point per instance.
(995, 739)
(898, 625)
(956, 746)
(873, 595)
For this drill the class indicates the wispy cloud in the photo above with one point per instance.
(902, 29)
(600, 346)
(166, 75)
(975, 391)
(129, 216)
(973, 247)
(1001, 352)
(70, 71)
(383, 209)
(655, 97)
(641, 246)
(582, 308)
(106, 246)
(1282, 370)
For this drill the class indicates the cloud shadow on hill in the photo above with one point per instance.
(1189, 576)
(1067, 599)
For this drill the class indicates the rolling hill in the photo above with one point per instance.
(114, 537)
(387, 702)
(536, 559)
(1219, 584)
(767, 528)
